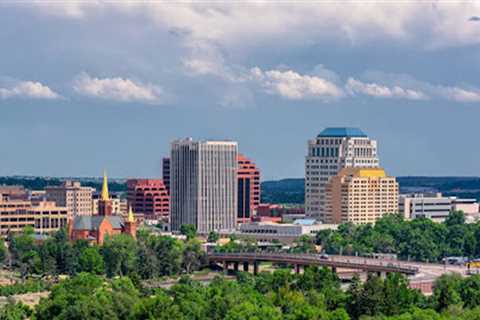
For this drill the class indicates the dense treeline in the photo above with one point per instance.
(418, 239)
(39, 183)
(147, 257)
(315, 294)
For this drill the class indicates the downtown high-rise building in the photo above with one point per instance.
(248, 189)
(203, 185)
(331, 151)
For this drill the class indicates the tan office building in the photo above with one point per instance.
(45, 217)
(360, 195)
(77, 199)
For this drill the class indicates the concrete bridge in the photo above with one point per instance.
(299, 260)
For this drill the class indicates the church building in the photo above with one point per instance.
(106, 223)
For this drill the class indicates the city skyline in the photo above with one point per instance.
(72, 92)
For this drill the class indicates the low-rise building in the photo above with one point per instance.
(434, 206)
(284, 232)
(13, 193)
(44, 217)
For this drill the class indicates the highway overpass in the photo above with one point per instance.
(299, 260)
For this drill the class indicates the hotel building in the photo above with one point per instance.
(203, 185)
(360, 195)
(332, 150)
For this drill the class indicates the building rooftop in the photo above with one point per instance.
(342, 132)
(305, 222)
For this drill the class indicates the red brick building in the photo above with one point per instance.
(106, 223)
(149, 197)
(248, 176)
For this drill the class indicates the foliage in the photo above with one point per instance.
(188, 230)
(27, 286)
(213, 237)
(15, 311)
(419, 239)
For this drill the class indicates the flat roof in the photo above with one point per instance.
(342, 132)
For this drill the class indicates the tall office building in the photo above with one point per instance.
(203, 185)
(148, 197)
(360, 195)
(166, 173)
(77, 199)
(332, 150)
(248, 189)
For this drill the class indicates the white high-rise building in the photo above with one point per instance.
(332, 150)
(203, 185)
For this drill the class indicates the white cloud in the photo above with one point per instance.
(354, 86)
(29, 89)
(118, 89)
(292, 85)
(431, 24)
(461, 95)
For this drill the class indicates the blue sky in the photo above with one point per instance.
(91, 85)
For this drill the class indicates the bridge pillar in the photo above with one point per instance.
(297, 269)
(225, 267)
(382, 274)
(334, 269)
(255, 267)
(235, 266)
(245, 266)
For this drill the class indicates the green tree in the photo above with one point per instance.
(193, 256)
(446, 292)
(90, 260)
(188, 230)
(304, 244)
(119, 255)
(213, 237)
(15, 311)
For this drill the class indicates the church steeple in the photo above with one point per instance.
(130, 225)
(105, 207)
(131, 216)
(105, 196)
